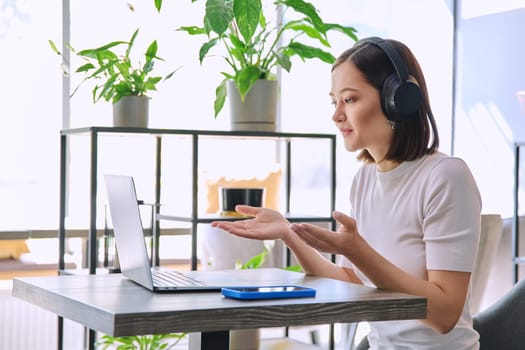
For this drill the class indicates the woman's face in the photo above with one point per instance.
(358, 114)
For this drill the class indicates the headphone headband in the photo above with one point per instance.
(392, 54)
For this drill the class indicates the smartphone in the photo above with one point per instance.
(268, 292)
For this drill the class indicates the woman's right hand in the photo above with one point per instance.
(265, 224)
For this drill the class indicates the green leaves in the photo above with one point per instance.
(158, 5)
(101, 51)
(84, 68)
(131, 42)
(306, 9)
(254, 47)
(245, 79)
(259, 260)
(219, 14)
(306, 28)
(348, 31)
(205, 48)
(113, 73)
(283, 61)
(193, 30)
(304, 51)
(247, 13)
(254, 262)
(220, 97)
(141, 342)
(54, 47)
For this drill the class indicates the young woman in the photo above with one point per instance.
(415, 212)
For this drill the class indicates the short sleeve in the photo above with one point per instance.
(451, 216)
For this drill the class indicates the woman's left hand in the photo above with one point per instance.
(327, 241)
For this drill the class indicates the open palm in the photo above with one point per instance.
(265, 224)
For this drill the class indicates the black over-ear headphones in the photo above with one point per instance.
(400, 97)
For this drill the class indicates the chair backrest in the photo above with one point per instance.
(502, 325)
(490, 236)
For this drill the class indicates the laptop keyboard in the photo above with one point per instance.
(167, 278)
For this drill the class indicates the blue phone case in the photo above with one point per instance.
(268, 292)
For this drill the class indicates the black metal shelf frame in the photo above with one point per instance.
(517, 259)
(94, 133)
(196, 135)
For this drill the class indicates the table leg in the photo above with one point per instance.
(219, 340)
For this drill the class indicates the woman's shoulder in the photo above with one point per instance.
(449, 172)
(437, 163)
(441, 163)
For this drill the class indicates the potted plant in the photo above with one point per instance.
(254, 47)
(118, 80)
(141, 342)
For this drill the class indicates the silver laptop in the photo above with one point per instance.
(135, 263)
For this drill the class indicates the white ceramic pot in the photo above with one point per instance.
(245, 339)
(131, 112)
(221, 250)
(258, 112)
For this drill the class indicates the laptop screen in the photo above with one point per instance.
(128, 230)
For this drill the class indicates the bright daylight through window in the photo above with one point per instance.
(32, 114)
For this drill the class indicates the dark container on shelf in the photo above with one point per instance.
(230, 197)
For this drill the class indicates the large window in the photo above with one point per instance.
(32, 111)
(489, 118)
(305, 101)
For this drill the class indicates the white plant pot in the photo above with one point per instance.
(245, 339)
(258, 112)
(131, 112)
(221, 250)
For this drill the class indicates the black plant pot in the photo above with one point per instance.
(230, 197)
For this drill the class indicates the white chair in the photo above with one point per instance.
(490, 236)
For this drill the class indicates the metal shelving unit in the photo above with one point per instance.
(517, 259)
(95, 134)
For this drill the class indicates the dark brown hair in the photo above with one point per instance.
(414, 136)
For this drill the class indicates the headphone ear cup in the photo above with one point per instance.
(388, 93)
(400, 99)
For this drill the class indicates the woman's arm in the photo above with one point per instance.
(270, 224)
(315, 264)
(445, 290)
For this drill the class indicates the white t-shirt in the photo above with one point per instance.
(422, 215)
